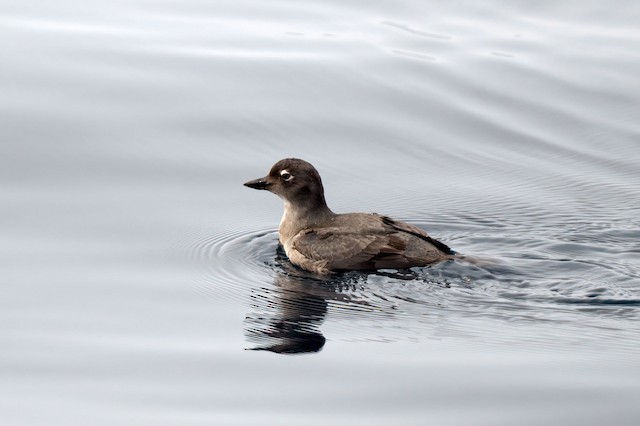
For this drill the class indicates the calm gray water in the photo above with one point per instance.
(137, 271)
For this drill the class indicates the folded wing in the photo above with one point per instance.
(381, 244)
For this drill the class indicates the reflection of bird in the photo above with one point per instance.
(285, 338)
(289, 314)
(318, 240)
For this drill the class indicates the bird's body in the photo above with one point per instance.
(318, 240)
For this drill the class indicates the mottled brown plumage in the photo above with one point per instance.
(318, 240)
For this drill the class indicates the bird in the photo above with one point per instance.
(318, 240)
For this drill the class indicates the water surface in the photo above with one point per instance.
(141, 281)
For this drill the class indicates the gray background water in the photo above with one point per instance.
(136, 269)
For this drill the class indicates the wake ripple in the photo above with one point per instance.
(531, 285)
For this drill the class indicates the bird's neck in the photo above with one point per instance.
(298, 216)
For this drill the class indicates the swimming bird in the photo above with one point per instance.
(321, 241)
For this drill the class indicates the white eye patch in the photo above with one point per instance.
(285, 175)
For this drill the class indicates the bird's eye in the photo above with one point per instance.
(286, 176)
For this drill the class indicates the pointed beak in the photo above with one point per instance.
(257, 183)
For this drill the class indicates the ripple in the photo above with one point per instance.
(414, 55)
(414, 31)
(539, 278)
(230, 262)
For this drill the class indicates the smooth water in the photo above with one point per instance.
(141, 282)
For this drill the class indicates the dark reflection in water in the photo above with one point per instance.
(289, 314)
(289, 318)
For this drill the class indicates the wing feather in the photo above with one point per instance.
(367, 244)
